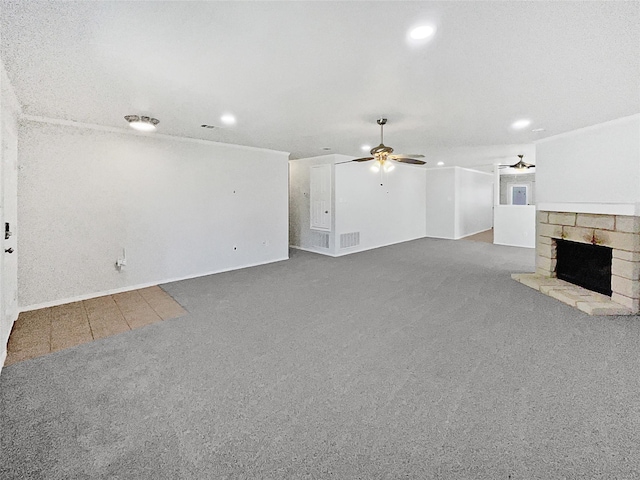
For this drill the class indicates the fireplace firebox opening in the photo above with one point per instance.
(586, 265)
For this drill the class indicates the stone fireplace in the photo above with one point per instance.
(620, 233)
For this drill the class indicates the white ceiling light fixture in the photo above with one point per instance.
(440, 163)
(228, 119)
(366, 148)
(520, 124)
(422, 32)
(142, 124)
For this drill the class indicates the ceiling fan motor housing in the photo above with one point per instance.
(381, 150)
(381, 153)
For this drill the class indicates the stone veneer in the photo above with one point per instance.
(619, 232)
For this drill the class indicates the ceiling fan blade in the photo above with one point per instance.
(412, 161)
(406, 155)
(365, 159)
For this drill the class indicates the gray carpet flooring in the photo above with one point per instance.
(418, 360)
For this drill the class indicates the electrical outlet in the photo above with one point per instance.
(122, 260)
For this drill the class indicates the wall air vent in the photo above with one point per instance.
(349, 239)
(320, 239)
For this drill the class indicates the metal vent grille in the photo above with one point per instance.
(320, 239)
(349, 239)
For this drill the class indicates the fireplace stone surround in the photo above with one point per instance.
(619, 232)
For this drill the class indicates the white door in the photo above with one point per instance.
(8, 219)
(320, 197)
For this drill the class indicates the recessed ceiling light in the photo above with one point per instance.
(366, 148)
(538, 130)
(520, 124)
(422, 32)
(142, 124)
(228, 119)
(440, 163)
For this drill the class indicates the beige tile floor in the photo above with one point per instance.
(48, 330)
(486, 236)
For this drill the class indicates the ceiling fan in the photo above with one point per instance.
(519, 165)
(382, 153)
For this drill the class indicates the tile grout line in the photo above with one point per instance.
(50, 315)
(151, 306)
(160, 319)
(121, 313)
(84, 307)
(167, 295)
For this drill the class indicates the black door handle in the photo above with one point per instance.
(8, 250)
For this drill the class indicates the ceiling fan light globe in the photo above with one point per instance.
(142, 123)
(142, 126)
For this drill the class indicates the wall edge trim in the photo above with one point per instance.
(578, 131)
(78, 298)
(128, 131)
(474, 233)
(14, 102)
(629, 209)
(514, 245)
(378, 246)
(305, 249)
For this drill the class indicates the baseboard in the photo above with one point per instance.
(355, 249)
(312, 251)
(377, 246)
(79, 298)
(440, 238)
(513, 245)
(474, 233)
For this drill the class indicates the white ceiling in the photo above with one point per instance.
(301, 76)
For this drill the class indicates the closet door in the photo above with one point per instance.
(320, 197)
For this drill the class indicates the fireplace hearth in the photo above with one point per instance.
(590, 261)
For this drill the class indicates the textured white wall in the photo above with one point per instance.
(387, 214)
(383, 215)
(440, 202)
(178, 207)
(598, 165)
(474, 202)
(515, 225)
